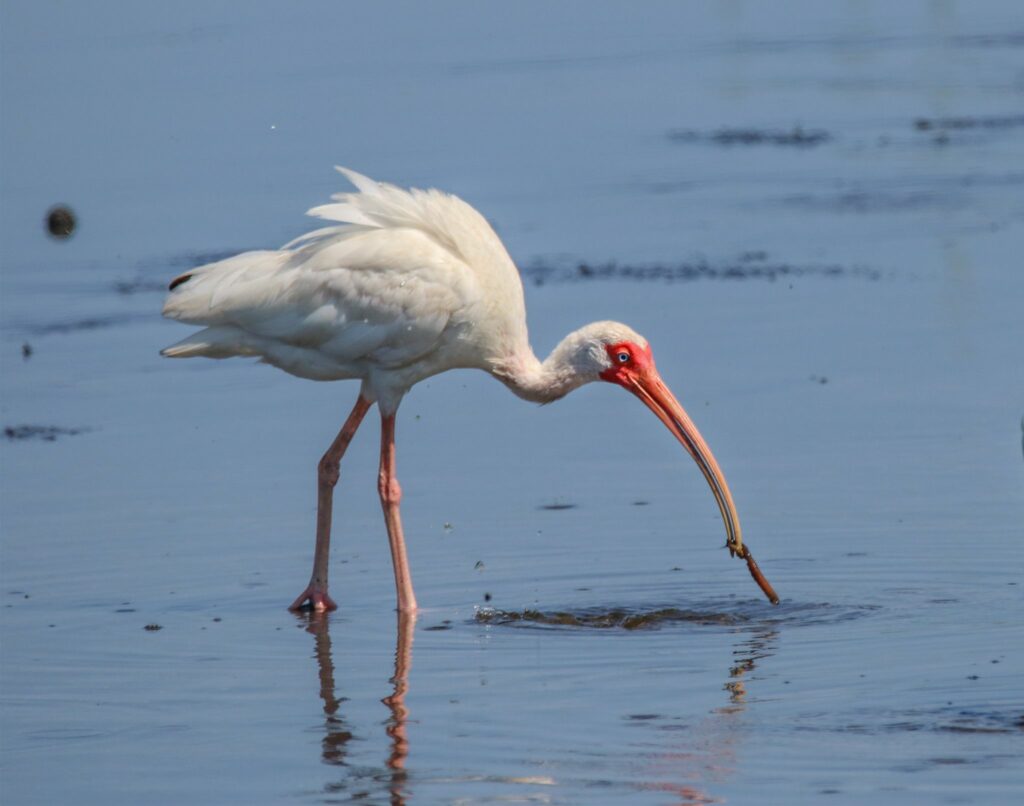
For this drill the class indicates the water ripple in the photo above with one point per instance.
(717, 613)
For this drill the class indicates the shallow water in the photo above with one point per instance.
(816, 218)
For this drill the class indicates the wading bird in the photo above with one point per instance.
(403, 285)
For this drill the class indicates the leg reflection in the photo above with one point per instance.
(396, 727)
(360, 781)
(336, 732)
(710, 752)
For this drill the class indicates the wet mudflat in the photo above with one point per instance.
(818, 225)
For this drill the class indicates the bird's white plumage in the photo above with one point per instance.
(406, 284)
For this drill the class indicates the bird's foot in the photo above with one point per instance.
(313, 599)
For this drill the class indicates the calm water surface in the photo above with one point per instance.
(816, 218)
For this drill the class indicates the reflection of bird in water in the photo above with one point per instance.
(709, 751)
(337, 734)
(404, 285)
(396, 700)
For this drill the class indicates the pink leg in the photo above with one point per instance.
(327, 471)
(390, 497)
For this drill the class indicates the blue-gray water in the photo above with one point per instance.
(815, 212)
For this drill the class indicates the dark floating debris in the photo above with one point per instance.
(153, 627)
(749, 266)
(139, 285)
(60, 222)
(1013, 39)
(726, 136)
(557, 506)
(969, 122)
(90, 323)
(608, 619)
(26, 351)
(154, 274)
(46, 433)
(952, 720)
(727, 612)
(877, 201)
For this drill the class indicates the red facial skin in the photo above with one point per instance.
(640, 363)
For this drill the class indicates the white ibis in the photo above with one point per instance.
(404, 285)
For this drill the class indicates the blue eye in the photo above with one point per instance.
(623, 357)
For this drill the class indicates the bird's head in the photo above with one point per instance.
(621, 356)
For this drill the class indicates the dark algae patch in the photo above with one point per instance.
(45, 433)
(951, 719)
(607, 619)
(88, 323)
(969, 122)
(152, 274)
(756, 266)
(748, 136)
(718, 612)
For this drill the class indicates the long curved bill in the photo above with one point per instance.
(656, 396)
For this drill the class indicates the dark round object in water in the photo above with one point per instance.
(60, 222)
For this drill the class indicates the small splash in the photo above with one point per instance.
(620, 618)
(716, 613)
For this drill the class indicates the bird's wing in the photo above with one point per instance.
(449, 222)
(381, 284)
(361, 295)
(445, 218)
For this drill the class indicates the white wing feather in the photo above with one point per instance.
(400, 274)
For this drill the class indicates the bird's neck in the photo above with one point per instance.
(543, 381)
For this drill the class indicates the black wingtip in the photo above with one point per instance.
(183, 278)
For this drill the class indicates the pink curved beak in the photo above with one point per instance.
(649, 387)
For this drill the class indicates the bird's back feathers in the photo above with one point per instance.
(400, 273)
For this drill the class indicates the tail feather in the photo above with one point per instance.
(201, 295)
(212, 342)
